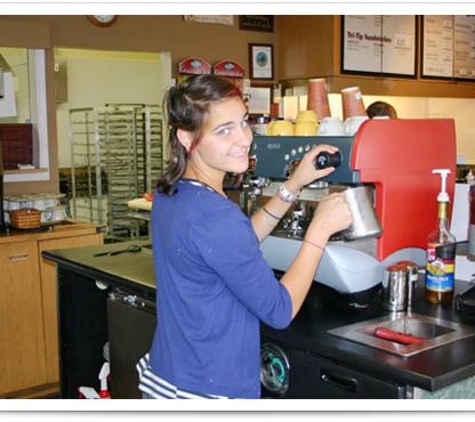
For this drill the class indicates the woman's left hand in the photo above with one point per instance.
(306, 171)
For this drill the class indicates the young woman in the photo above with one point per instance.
(213, 285)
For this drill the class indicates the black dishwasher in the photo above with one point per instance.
(131, 326)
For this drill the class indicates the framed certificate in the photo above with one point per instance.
(261, 61)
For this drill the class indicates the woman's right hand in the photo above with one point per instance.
(332, 215)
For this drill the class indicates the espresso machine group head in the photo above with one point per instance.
(396, 158)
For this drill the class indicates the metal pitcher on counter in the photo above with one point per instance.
(399, 286)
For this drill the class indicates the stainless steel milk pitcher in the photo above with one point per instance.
(399, 286)
(365, 223)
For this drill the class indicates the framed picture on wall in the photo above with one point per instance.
(261, 61)
(262, 23)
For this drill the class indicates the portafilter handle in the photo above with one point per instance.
(326, 159)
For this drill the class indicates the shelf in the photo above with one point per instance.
(36, 170)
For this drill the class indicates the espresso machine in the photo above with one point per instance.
(395, 158)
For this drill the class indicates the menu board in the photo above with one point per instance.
(449, 47)
(438, 46)
(379, 44)
(464, 47)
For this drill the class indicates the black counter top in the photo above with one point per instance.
(429, 370)
(131, 270)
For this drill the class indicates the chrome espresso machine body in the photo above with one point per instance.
(393, 157)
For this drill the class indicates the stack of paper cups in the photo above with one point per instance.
(352, 102)
(317, 98)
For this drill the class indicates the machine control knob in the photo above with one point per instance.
(325, 159)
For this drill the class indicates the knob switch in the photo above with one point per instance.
(325, 159)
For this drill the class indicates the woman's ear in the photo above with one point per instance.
(185, 138)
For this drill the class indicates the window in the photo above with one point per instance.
(24, 101)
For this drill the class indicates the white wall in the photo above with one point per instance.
(462, 110)
(17, 58)
(98, 78)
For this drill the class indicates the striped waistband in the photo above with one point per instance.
(159, 388)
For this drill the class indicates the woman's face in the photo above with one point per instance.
(226, 139)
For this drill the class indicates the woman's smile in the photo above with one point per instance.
(240, 153)
(226, 140)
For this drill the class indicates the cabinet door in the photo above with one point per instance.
(48, 292)
(22, 352)
(312, 376)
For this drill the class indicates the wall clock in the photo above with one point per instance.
(102, 20)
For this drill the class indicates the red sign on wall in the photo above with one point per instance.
(194, 66)
(228, 68)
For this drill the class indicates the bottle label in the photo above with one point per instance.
(439, 271)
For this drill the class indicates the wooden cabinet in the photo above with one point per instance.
(28, 311)
(310, 47)
(22, 362)
(307, 47)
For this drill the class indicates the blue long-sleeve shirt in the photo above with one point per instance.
(213, 287)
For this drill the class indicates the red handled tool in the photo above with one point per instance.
(396, 336)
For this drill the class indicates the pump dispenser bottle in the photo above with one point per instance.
(439, 285)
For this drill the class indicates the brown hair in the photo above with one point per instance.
(381, 108)
(187, 108)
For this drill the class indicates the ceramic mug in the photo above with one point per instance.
(39, 204)
(51, 202)
(331, 126)
(305, 128)
(13, 205)
(46, 216)
(26, 204)
(280, 128)
(352, 124)
(58, 214)
(307, 116)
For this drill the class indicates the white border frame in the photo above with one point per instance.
(39, 116)
(265, 73)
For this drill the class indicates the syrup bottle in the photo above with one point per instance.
(439, 283)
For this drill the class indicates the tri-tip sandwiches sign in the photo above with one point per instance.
(379, 44)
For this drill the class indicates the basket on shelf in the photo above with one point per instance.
(27, 218)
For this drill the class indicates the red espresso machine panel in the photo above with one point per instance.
(397, 156)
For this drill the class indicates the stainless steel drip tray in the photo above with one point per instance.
(436, 332)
